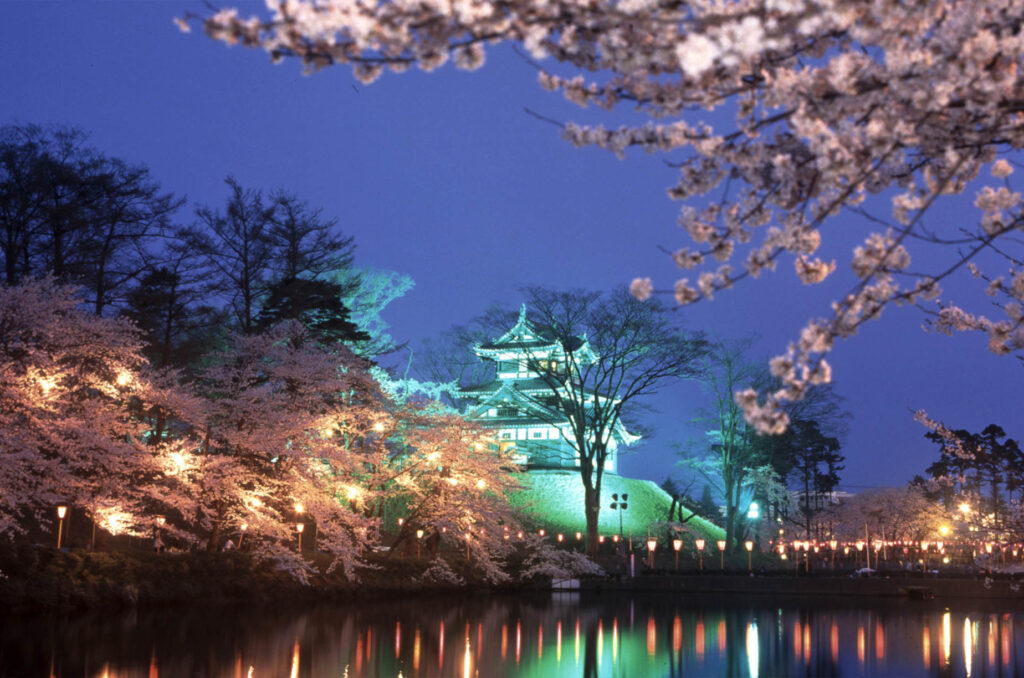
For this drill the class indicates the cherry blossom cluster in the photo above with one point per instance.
(832, 102)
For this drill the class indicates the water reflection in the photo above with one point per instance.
(492, 636)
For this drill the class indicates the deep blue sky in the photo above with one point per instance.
(444, 177)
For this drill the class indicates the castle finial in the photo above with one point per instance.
(522, 313)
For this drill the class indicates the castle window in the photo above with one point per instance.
(508, 412)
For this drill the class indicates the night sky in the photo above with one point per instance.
(444, 176)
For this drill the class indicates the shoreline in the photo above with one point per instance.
(38, 580)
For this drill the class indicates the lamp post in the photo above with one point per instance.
(721, 553)
(419, 538)
(677, 544)
(160, 522)
(860, 547)
(299, 527)
(241, 534)
(61, 512)
(750, 548)
(699, 543)
(619, 505)
(832, 545)
(651, 545)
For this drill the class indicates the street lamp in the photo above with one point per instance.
(651, 545)
(160, 522)
(419, 537)
(299, 527)
(241, 535)
(750, 548)
(832, 545)
(619, 505)
(721, 552)
(61, 512)
(677, 544)
(699, 543)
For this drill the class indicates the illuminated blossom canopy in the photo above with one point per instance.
(786, 115)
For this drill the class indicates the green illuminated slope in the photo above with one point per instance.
(554, 500)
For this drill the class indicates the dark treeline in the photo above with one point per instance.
(186, 275)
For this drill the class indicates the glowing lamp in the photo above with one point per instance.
(299, 508)
(677, 544)
(540, 532)
(652, 544)
(832, 544)
(579, 536)
(600, 539)
(561, 537)
(299, 527)
(721, 544)
(699, 543)
(419, 534)
(860, 545)
(615, 538)
(161, 520)
(749, 545)
(62, 511)
(926, 544)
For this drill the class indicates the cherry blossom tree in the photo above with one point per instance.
(71, 386)
(785, 118)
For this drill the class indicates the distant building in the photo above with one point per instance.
(521, 404)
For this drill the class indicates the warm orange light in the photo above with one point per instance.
(62, 511)
(749, 545)
(561, 537)
(721, 544)
(652, 544)
(161, 520)
(419, 534)
(299, 527)
(699, 543)
(677, 544)
(579, 536)
(299, 508)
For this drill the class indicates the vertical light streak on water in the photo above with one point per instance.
(833, 641)
(600, 641)
(467, 661)
(926, 648)
(968, 646)
(295, 660)
(369, 643)
(154, 672)
(753, 648)
(1004, 637)
(416, 650)
(807, 643)
(861, 646)
(504, 641)
(398, 639)
(947, 638)
(519, 640)
(615, 640)
(652, 637)
(540, 641)
(577, 640)
(479, 639)
(879, 641)
(440, 647)
(558, 642)
(253, 668)
(698, 640)
(721, 637)
(677, 634)
(993, 632)
(359, 653)
(798, 634)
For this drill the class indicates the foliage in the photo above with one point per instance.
(69, 211)
(832, 103)
(891, 513)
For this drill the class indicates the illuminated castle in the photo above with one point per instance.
(522, 404)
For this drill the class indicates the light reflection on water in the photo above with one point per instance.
(543, 636)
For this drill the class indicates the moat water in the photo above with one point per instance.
(546, 636)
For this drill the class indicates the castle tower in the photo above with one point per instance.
(522, 403)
